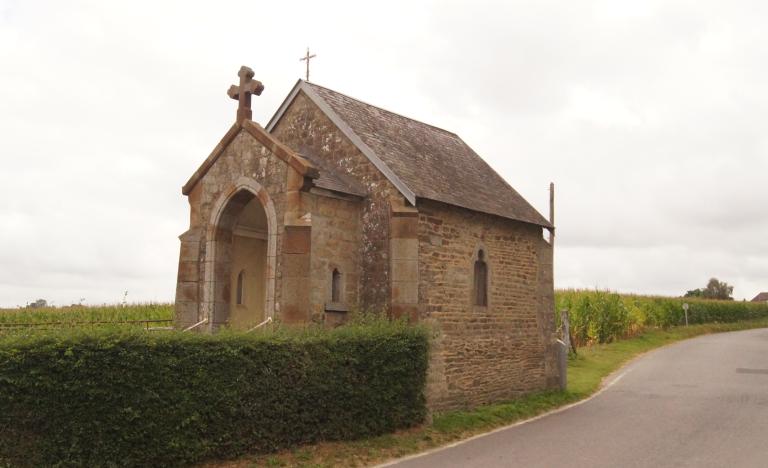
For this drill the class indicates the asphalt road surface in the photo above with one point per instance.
(697, 403)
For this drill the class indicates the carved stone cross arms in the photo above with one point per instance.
(243, 93)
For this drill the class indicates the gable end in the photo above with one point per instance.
(299, 164)
(347, 131)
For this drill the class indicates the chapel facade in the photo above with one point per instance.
(338, 206)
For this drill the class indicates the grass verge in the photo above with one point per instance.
(585, 375)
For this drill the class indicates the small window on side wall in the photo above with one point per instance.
(239, 292)
(336, 286)
(480, 293)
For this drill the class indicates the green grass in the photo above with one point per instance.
(585, 375)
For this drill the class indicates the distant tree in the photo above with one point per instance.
(715, 289)
(695, 293)
(37, 304)
(718, 290)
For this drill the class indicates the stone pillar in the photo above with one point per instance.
(296, 254)
(436, 390)
(188, 280)
(404, 260)
(297, 247)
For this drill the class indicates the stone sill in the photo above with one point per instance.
(336, 307)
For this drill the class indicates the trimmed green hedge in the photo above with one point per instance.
(603, 316)
(139, 399)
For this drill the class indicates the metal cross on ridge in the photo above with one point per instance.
(307, 58)
(243, 93)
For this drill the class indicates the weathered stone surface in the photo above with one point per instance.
(188, 272)
(409, 311)
(404, 249)
(403, 227)
(501, 351)
(187, 313)
(187, 292)
(297, 240)
(304, 125)
(295, 313)
(405, 270)
(189, 251)
(405, 292)
(336, 241)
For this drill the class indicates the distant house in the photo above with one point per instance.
(762, 297)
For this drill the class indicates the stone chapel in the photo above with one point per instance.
(338, 206)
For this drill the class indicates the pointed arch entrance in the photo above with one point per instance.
(240, 257)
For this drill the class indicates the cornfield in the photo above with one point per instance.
(144, 315)
(604, 316)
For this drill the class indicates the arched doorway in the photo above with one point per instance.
(242, 257)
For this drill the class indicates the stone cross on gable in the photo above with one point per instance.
(243, 93)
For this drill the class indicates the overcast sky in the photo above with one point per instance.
(649, 116)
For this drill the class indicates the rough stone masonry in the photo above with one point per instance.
(339, 206)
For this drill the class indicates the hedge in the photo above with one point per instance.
(128, 398)
(604, 316)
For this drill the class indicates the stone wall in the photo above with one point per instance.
(249, 256)
(484, 354)
(305, 128)
(335, 244)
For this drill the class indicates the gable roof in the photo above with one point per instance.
(301, 165)
(762, 297)
(321, 175)
(421, 161)
(330, 179)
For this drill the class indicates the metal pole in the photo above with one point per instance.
(566, 324)
(552, 213)
(562, 361)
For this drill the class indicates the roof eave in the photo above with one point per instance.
(208, 163)
(542, 222)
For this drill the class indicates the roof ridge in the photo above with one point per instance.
(414, 146)
(382, 109)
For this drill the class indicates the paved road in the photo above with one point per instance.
(697, 403)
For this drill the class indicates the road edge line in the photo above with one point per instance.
(603, 388)
(607, 382)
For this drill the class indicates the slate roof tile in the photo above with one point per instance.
(330, 179)
(434, 163)
(762, 297)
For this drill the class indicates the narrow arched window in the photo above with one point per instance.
(336, 286)
(480, 293)
(240, 281)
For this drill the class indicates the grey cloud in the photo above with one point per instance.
(648, 116)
